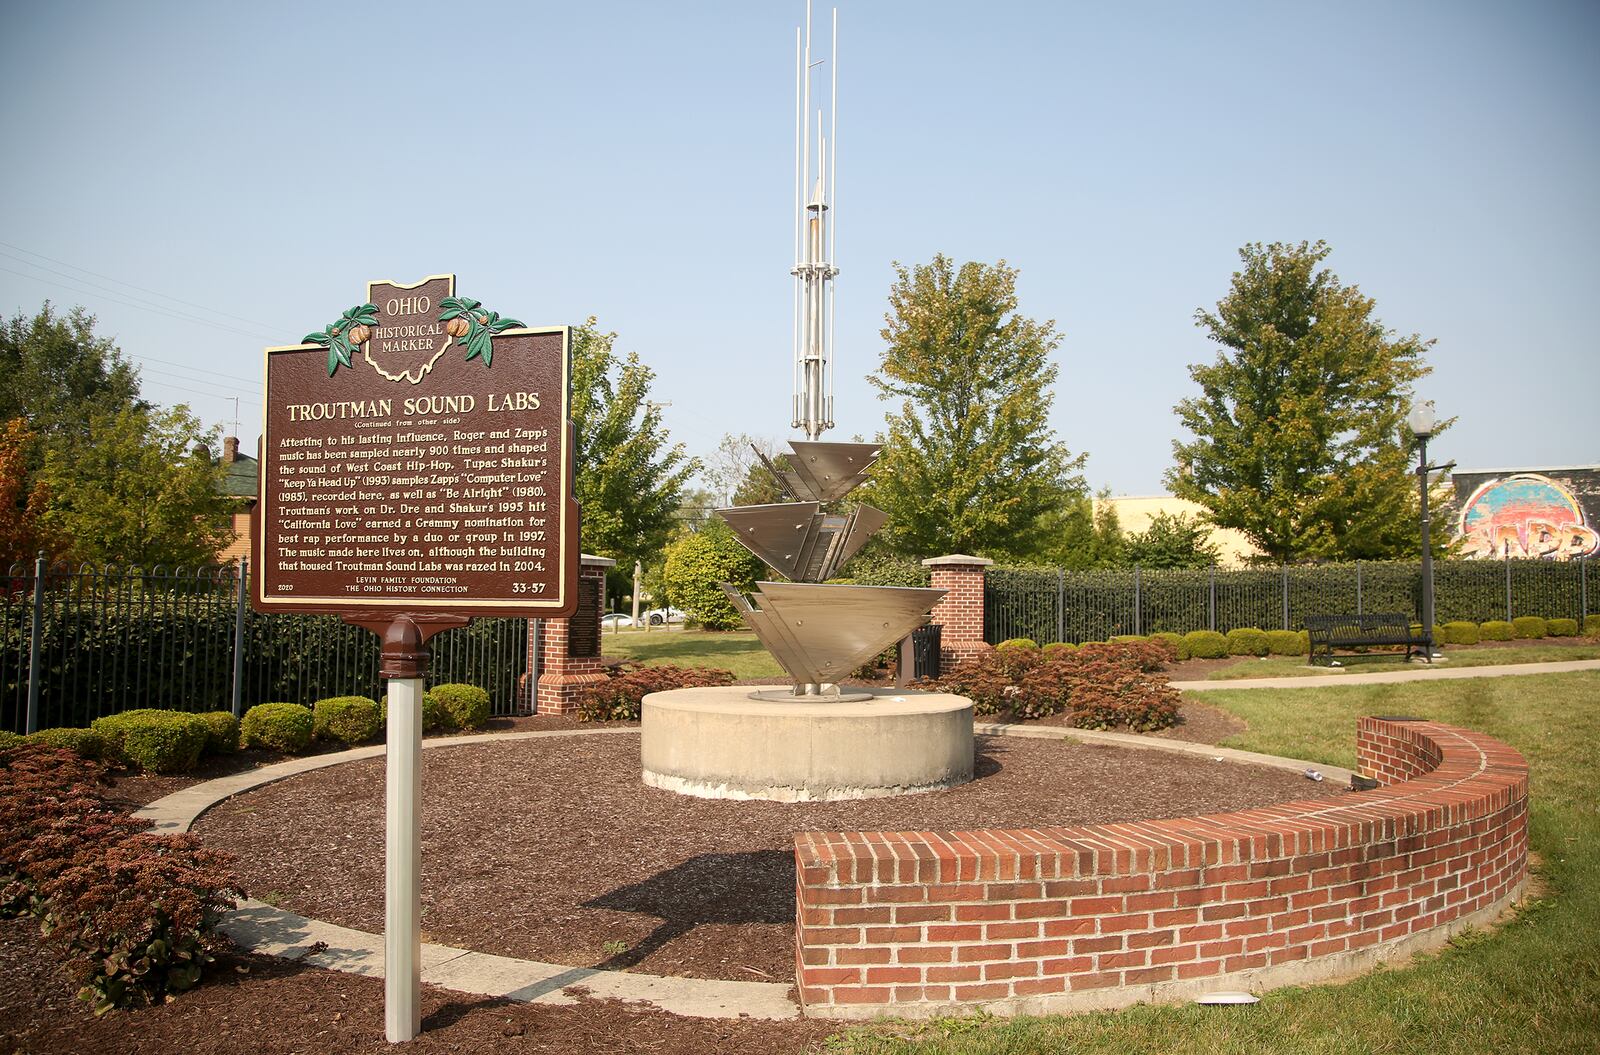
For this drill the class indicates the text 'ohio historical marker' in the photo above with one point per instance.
(416, 458)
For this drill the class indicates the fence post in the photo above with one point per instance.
(1211, 600)
(1508, 588)
(36, 632)
(1061, 604)
(1286, 597)
(1138, 601)
(1358, 587)
(1583, 590)
(238, 639)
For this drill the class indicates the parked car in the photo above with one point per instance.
(615, 619)
(660, 616)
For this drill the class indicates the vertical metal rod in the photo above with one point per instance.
(1583, 591)
(1358, 587)
(402, 903)
(238, 638)
(1061, 604)
(1286, 597)
(1138, 599)
(1508, 587)
(1427, 549)
(35, 633)
(1211, 600)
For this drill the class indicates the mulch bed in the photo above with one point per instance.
(551, 849)
(256, 1005)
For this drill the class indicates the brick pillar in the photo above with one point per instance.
(561, 676)
(961, 611)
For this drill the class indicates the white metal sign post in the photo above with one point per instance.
(402, 897)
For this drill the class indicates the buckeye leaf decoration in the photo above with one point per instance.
(473, 328)
(341, 337)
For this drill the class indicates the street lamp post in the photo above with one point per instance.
(1423, 422)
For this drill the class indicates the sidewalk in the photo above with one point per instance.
(1317, 681)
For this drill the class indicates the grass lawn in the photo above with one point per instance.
(739, 652)
(1533, 986)
(1295, 666)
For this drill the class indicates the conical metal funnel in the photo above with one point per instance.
(826, 471)
(798, 540)
(820, 633)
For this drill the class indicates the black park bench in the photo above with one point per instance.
(1328, 632)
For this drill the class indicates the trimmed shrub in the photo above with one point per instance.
(156, 741)
(1206, 644)
(1561, 627)
(8, 739)
(1136, 653)
(222, 732)
(85, 743)
(1529, 628)
(619, 698)
(1018, 642)
(1247, 641)
(462, 706)
(1495, 630)
(349, 719)
(1180, 647)
(1591, 626)
(286, 727)
(1122, 639)
(1102, 684)
(1059, 646)
(1460, 632)
(133, 913)
(1286, 643)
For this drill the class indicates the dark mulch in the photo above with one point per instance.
(549, 849)
(254, 1005)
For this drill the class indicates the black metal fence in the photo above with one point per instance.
(78, 643)
(1058, 605)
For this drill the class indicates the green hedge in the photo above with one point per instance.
(222, 732)
(1180, 647)
(1206, 644)
(85, 743)
(1018, 642)
(1461, 632)
(1591, 626)
(1288, 643)
(157, 741)
(286, 727)
(1495, 630)
(1529, 628)
(461, 706)
(1562, 627)
(349, 719)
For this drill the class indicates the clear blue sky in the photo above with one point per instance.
(633, 161)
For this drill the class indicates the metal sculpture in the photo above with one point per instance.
(818, 633)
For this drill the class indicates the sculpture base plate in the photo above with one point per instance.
(788, 696)
(718, 743)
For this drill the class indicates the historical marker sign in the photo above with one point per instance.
(416, 458)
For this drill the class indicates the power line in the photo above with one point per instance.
(130, 285)
(122, 298)
(253, 382)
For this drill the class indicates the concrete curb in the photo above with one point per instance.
(263, 928)
(1390, 677)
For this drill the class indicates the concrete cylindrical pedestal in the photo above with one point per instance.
(719, 743)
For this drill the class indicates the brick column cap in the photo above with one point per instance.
(956, 560)
(589, 560)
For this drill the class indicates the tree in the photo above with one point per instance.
(1083, 532)
(56, 374)
(1176, 541)
(23, 499)
(970, 464)
(629, 477)
(738, 477)
(698, 564)
(1299, 435)
(142, 489)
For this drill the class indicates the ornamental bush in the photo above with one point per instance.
(1101, 684)
(697, 565)
(461, 706)
(1206, 644)
(1059, 646)
(1180, 647)
(1529, 628)
(222, 732)
(134, 914)
(1591, 626)
(1139, 653)
(1287, 643)
(619, 697)
(286, 727)
(85, 743)
(154, 740)
(350, 720)
(1561, 627)
(1495, 630)
(1018, 642)
(1247, 641)
(1461, 632)
(8, 739)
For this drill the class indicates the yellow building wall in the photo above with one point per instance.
(1134, 514)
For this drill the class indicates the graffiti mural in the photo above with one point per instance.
(1526, 515)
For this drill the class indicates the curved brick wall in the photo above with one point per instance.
(1051, 919)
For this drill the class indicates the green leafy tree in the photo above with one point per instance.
(1299, 438)
(630, 478)
(970, 463)
(698, 564)
(1083, 532)
(141, 489)
(56, 374)
(1171, 541)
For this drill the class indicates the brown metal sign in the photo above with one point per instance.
(416, 458)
